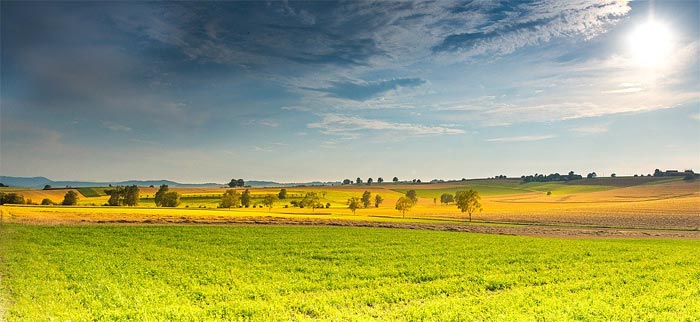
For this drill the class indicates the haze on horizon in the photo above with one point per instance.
(304, 91)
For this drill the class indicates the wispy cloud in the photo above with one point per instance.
(366, 90)
(354, 126)
(527, 138)
(263, 122)
(116, 127)
(591, 129)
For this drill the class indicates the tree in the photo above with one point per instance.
(171, 199)
(411, 194)
(47, 187)
(613, 175)
(468, 201)
(236, 183)
(380, 180)
(591, 175)
(378, 200)
(131, 196)
(160, 195)
(11, 198)
(446, 198)
(347, 181)
(245, 198)
(369, 181)
(311, 199)
(230, 198)
(404, 204)
(282, 194)
(47, 202)
(366, 199)
(395, 180)
(658, 173)
(116, 196)
(240, 183)
(269, 200)
(70, 199)
(358, 181)
(353, 204)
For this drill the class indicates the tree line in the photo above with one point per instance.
(467, 201)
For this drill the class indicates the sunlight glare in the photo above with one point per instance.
(651, 44)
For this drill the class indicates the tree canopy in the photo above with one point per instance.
(468, 201)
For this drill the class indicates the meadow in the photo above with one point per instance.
(194, 273)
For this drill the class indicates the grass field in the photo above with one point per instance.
(152, 273)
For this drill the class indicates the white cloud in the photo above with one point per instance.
(527, 138)
(591, 129)
(353, 126)
(116, 127)
(263, 122)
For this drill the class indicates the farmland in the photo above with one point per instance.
(607, 250)
(297, 273)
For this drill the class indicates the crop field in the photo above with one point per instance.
(97, 273)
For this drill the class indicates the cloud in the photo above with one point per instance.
(591, 129)
(367, 90)
(514, 26)
(352, 126)
(116, 127)
(527, 138)
(263, 122)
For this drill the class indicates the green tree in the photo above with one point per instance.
(171, 199)
(411, 194)
(353, 204)
(369, 181)
(230, 198)
(282, 194)
(446, 198)
(311, 199)
(269, 200)
(160, 195)
(11, 198)
(380, 180)
(395, 180)
(116, 196)
(70, 199)
(404, 204)
(245, 198)
(366, 199)
(378, 200)
(468, 201)
(358, 180)
(131, 196)
(47, 202)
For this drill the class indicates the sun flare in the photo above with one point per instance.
(651, 44)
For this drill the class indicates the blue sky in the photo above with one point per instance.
(300, 91)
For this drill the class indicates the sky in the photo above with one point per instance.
(303, 91)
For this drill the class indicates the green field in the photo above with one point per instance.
(92, 192)
(192, 273)
(505, 187)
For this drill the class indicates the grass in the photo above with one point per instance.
(154, 273)
(91, 192)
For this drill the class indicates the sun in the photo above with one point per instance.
(651, 44)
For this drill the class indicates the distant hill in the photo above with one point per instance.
(40, 182)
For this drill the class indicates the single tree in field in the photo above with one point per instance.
(283, 194)
(70, 199)
(591, 175)
(131, 196)
(395, 180)
(347, 181)
(269, 200)
(160, 195)
(411, 194)
(613, 175)
(353, 204)
(311, 200)
(358, 180)
(240, 182)
(468, 201)
(380, 180)
(369, 181)
(171, 199)
(47, 202)
(378, 200)
(366, 199)
(245, 198)
(232, 183)
(446, 198)
(230, 198)
(404, 204)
